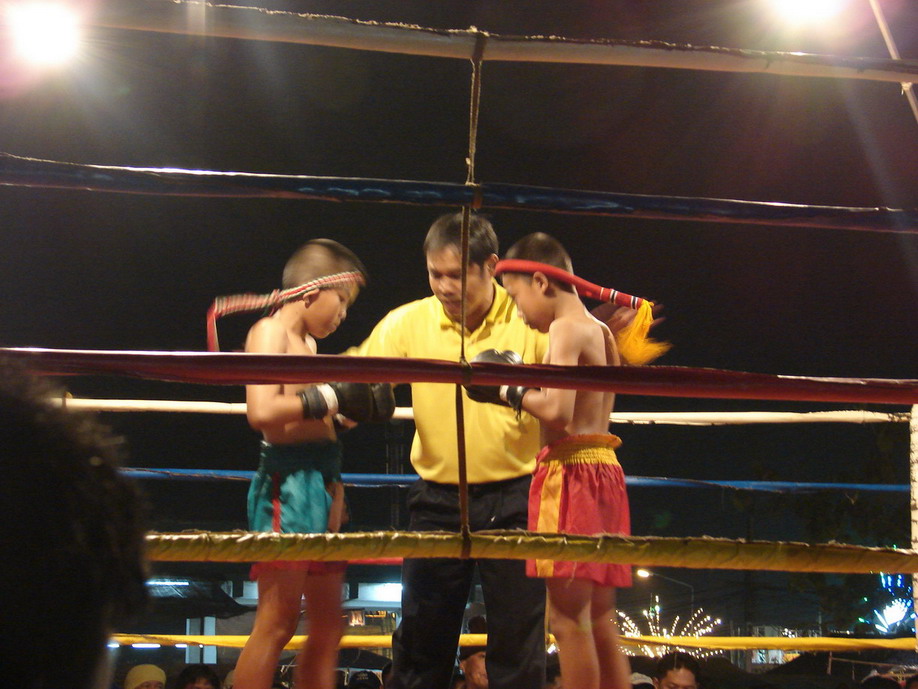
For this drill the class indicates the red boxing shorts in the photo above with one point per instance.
(579, 488)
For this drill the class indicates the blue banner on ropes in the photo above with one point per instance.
(19, 171)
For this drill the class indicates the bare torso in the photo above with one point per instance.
(270, 335)
(596, 347)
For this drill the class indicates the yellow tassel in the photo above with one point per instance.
(634, 346)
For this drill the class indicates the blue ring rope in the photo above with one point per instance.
(19, 171)
(404, 480)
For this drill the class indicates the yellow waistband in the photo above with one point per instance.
(582, 449)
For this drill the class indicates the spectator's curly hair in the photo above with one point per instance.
(72, 540)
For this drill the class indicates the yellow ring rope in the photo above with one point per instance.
(805, 643)
(694, 553)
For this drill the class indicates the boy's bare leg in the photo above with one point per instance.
(570, 603)
(315, 668)
(614, 668)
(276, 619)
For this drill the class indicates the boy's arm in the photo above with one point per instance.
(267, 405)
(554, 407)
(275, 405)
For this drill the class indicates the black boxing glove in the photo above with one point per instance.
(360, 402)
(505, 395)
(352, 400)
(383, 402)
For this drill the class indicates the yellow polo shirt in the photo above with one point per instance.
(498, 446)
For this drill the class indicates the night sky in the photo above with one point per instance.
(113, 271)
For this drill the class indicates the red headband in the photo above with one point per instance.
(241, 303)
(584, 288)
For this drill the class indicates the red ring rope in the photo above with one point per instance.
(664, 381)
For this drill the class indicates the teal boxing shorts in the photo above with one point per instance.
(288, 494)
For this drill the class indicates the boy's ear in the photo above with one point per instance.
(490, 263)
(540, 281)
(310, 297)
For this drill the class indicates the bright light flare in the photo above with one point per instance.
(698, 624)
(890, 616)
(43, 33)
(800, 11)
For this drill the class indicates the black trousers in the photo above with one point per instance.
(435, 592)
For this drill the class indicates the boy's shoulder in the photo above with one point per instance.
(267, 325)
(270, 335)
(576, 326)
(580, 333)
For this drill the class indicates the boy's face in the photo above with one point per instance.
(529, 299)
(328, 309)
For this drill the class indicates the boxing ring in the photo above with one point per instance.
(700, 553)
(241, 369)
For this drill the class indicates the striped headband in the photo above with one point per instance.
(242, 303)
(584, 288)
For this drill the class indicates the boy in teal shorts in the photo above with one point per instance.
(297, 487)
